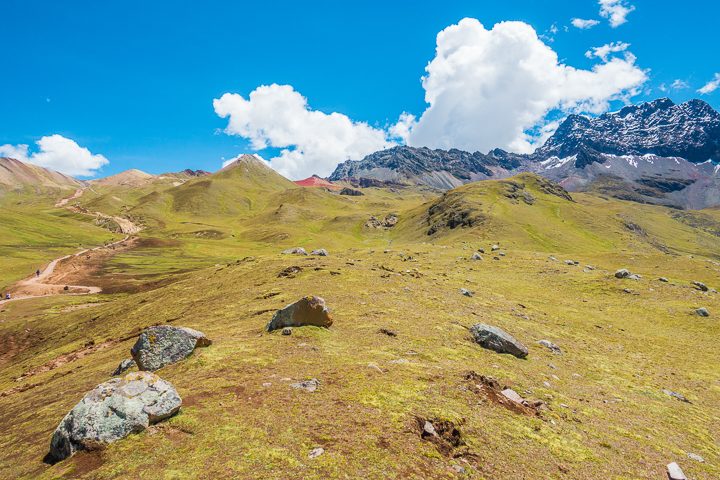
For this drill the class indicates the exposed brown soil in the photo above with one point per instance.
(490, 389)
(67, 358)
(444, 434)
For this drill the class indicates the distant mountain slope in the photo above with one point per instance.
(434, 168)
(237, 188)
(16, 174)
(690, 130)
(655, 152)
(128, 178)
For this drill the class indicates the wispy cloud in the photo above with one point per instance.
(616, 11)
(583, 24)
(604, 51)
(710, 86)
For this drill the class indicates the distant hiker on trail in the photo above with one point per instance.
(7, 296)
(37, 272)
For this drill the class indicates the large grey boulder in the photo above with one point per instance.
(493, 338)
(114, 410)
(308, 310)
(164, 344)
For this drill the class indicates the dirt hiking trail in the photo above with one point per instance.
(49, 281)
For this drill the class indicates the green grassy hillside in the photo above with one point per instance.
(624, 341)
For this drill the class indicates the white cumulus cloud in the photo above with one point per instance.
(57, 153)
(583, 24)
(488, 88)
(616, 11)
(604, 51)
(311, 141)
(710, 86)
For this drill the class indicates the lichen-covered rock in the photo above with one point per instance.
(496, 339)
(308, 310)
(112, 411)
(164, 344)
(124, 366)
(295, 251)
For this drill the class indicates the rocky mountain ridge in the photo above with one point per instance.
(654, 152)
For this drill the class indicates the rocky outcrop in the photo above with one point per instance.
(441, 169)
(308, 310)
(496, 339)
(112, 411)
(386, 222)
(164, 344)
(351, 192)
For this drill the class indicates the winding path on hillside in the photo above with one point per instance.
(41, 286)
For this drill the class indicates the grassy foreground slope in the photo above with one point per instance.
(607, 414)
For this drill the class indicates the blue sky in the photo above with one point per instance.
(135, 81)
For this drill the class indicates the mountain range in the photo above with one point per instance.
(657, 152)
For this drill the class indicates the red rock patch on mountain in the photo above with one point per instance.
(316, 181)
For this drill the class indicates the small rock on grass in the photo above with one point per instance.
(466, 292)
(321, 252)
(675, 472)
(551, 346)
(316, 452)
(308, 310)
(295, 251)
(700, 286)
(476, 256)
(663, 279)
(696, 457)
(496, 339)
(287, 331)
(676, 395)
(703, 312)
(307, 385)
(622, 273)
